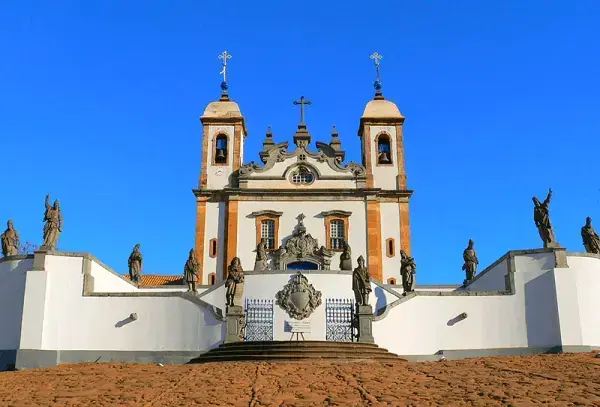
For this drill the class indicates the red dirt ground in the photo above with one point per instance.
(555, 380)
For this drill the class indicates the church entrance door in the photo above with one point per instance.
(302, 265)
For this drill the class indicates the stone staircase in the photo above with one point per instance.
(294, 351)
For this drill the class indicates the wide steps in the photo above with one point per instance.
(295, 350)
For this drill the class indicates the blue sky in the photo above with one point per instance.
(100, 104)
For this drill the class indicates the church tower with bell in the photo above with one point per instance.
(303, 207)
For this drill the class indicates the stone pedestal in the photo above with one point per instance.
(235, 322)
(365, 323)
(346, 264)
(551, 245)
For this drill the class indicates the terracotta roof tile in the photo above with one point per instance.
(153, 280)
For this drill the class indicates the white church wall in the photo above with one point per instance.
(492, 279)
(384, 176)
(75, 322)
(12, 291)
(588, 295)
(106, 281)
(218, 175)
(315, 225)
(423, 325)
(214, 229)
(390, 228)
(568, 306)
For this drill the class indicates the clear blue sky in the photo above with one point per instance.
(100, 104)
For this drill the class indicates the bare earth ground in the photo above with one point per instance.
(555, 380)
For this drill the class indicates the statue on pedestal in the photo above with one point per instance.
(262, 260)
(191, 271)
(471, 262)
(541, 217)
(408, 268)
(235, 283)
(135, 264)
(361, 283)
(346, 257)
(10, 240)
(591, 241)
(53, 226)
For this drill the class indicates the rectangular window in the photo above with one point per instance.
(267, 231)
(337, 234)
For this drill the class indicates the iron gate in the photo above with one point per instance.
(339, 317)
(259, 320)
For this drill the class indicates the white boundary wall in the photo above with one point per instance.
(76, 303)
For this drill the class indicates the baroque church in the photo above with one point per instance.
(305, 188)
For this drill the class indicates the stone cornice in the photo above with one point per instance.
(365, 121)
(225, 121)
(267, 212)
(336, 212)
(224, 194)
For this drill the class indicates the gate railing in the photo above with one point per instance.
(339, 319)
(259, 320)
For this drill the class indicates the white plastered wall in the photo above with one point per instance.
(390, 228)
(71, 321)
(315, 225)
(384, 177)
(12, 291)
(214, 229)
(218, 175)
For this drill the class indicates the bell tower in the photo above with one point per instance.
(224, 131)
(382, 145)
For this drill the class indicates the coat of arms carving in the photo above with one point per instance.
(299, 298)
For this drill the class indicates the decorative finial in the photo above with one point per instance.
(378, 94)
(224, 56)
(269, 132)
(334, 132)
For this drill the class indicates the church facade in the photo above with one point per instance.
(340, 204)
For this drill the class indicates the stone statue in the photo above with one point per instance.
(591, 241)
(53, 226)
(234, 283)
(541, 216)
(135, 265)
(471, 262)
(262, 260)
(346, 257)
(191, 271)
(408, 268)
(10, 240)
(361, 283)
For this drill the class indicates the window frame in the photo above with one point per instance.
(391, 241)
(214, 149)
(386, 135)
(267, 215)
(214, 277)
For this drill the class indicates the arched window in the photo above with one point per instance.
(221, 149)
(213, 248)
(384, 152)
(267, 232)
(337, 234)
(212, 279)
(302, 176)
(390, 247)
(391, 281)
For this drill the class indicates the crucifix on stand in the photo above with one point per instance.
(302, 136)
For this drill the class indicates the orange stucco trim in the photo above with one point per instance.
(200, 233)
(259, 220)
(328, 220)
(231, 235)
(404, 227)
(202, 182)
(367, 148)
(400, 157)
(237, 147)
(374, 240)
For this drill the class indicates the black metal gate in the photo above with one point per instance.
(259, 320)
(339, 317)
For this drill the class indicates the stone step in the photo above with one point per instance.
(296, 350)
(290, 357)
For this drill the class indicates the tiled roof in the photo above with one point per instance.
(153, 280)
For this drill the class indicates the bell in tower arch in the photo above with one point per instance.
(221, 149)
(384, 158)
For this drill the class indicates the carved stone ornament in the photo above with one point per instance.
(302, 247)
(299, 298)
